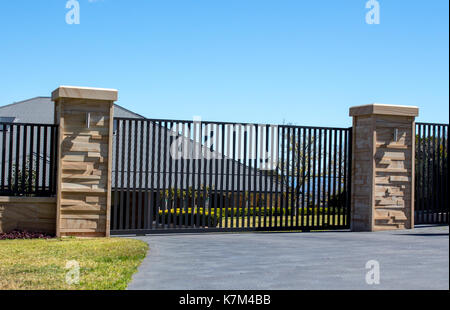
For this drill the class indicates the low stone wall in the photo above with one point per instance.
(28, 213)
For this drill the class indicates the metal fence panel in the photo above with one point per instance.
(189, 176)
(28, 159)
(431, 178)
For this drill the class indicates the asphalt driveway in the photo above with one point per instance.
(417, 259)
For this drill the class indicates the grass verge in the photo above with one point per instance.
(105, 264)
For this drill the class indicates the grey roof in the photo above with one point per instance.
(40, 110)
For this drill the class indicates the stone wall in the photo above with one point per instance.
(383, 170)
(85, 118)
(28, 213)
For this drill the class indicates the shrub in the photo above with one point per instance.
(177, 216)
(16, 234)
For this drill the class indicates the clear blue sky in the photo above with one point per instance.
(301, 62)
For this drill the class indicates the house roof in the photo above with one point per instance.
(40, 110)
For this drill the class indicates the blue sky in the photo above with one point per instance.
(292, 61)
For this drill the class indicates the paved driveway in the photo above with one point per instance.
(417, 259)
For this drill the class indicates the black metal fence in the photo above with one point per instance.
(431, 183)
(186, 176)
(28, 159)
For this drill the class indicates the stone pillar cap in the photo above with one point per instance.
(384, 109)
(85, 93)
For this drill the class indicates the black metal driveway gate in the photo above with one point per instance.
(431, 183)
(193, 176)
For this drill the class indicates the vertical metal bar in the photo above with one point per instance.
(238, 176)
(324, 183)
(286, 179)
(329, 186)
(249, 169)
(255, 172)
(417, 173)
(169, 199)
(272, 173)
(244, 174)
(116, 178)
(216, 170)
(166, 213)
(334, 178)
(176, 199)
(302, 222)
(344, 183)
(438, 176)
(233, 194)
(129, 205)
(51, 180)
(349, 177)
(134, 174)
(288, 176)
(153, 194)
(442, 173)
(425, 160)
(194, 159)
(202, 179)
(185, 187)
(122, 208)
(434, 211)
(299, 171)
(204, 138)
(261, 154)
(38, 158)
(430, 182)
(189, 191)
(422, 172)
(5, 128)
(418, 193)
(53, 160)
(284, 184)
(279, 175)
(339, 218)
(159, 205)
(44, 158)
(310, 141)
(24, 159)
(446, 149)
(266, 152)
(30, 159)
(314, 215)
(293, 174)
(147, 209)
(199, 175)
(319, 215)
(10, 159)
(222, 178)
(445, 176)
(140, 218)
(16, 188)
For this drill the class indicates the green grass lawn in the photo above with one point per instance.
(105, 264)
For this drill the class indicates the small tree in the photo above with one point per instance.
(22, 183)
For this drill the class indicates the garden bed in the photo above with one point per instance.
(19, 234)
